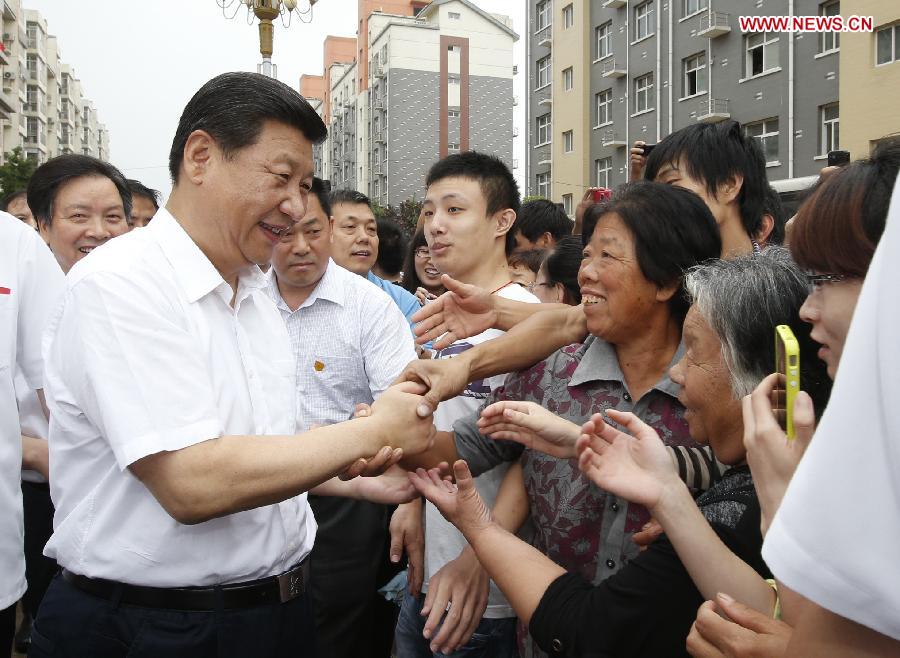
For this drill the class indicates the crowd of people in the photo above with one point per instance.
(261, 421)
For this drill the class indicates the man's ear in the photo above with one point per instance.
(545, 241)
(199, 151)
(44, 230)
(729, 191)
(505, 220)
(766, 226)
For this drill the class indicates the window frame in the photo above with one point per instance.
(647, 91)
(700, 73)
(542, 72)
(568, 78)
(607, 104)
(568, 138)
(835, 37)
(542, 180)
(607, 172)
(894, 56)
(829, 129)
(765, 135)
(646, 18)
(606, 31)
(686, 11)
(568, 16)
(767, 41)
(543, 12)
(568, 204)
(545, 127)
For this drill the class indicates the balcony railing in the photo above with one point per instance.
(714, 24)
(612, 69)
(713, 110)
(612, 139)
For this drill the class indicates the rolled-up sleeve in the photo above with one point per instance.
(134, 371)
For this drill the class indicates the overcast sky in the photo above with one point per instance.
(141, 60)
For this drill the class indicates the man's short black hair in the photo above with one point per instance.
(540, 216)
(232, 108)
(320, 190)
(714, 154)
(139, 189)
(774, 207)
(348, 196)
(498, 186)
(392, 245)
(12, 196)
(47, 179)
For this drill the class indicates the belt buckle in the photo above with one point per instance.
(290, 584)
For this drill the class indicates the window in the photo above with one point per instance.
(830, 134)
(542, 78)
(543, 129)
(643, 93)
(543, 14)
(694, 75)
(568, 77)
(604, 107)
(453, 114)
(543, 184)
(453, 147)
(568, 17)
(568, 141)
(453, 15)
(887, 46)
(567, 203)
(453, 78)
(643, 20)
(829, 41)
(766, 133)
(604, 40)
(603, 169)
(689, 7)
(762, 53)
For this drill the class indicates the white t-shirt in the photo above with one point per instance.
(836, 535)
(30, 283)
(443, 542)
(147, 354)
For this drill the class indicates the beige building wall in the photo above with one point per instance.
(571, 110)
(869, 94)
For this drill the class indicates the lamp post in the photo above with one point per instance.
(266, 11)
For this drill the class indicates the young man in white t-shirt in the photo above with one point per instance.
(470, 205)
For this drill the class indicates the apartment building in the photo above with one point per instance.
(870, 78)
(43, 109)
(423, 80)
(604, 73)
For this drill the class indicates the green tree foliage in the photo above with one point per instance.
(407, 214)
(15, 172)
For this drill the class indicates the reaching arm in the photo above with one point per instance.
(35, 455)
(235, 473)
(511, 506)
(638, 468)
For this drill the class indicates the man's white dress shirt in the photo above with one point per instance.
(350, 340)
(30, 285)
(146, 354)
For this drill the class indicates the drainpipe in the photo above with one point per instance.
(627, 87)
(671, 81)
(790, 95)
(659, 70)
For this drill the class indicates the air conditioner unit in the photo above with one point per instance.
(7, 36)
(9, 75)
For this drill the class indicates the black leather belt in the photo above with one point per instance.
(274, 589)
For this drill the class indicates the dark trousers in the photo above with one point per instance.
(348, 563)
(39, 569)
(7, 630)
(74, 624)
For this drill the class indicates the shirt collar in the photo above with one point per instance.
(600, 363)
(194, 271)
(329, 288)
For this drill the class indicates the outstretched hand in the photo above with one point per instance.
(463, 311)
(443, 379)
(636, 467)
(460, 503)
(531, 425)
(726, 627)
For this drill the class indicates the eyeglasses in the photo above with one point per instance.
(423, 252)
(818, 280)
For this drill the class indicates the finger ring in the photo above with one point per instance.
(447, 609)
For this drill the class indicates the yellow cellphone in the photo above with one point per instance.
(787, 365)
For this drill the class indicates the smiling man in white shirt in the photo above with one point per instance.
(351, 341)
(176, 473)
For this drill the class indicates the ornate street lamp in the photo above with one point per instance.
(267, 11)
